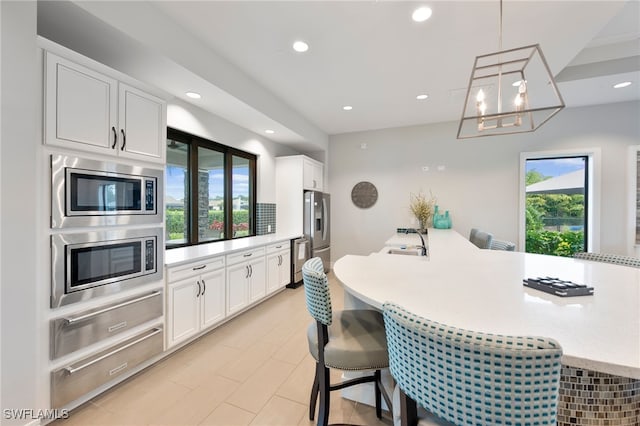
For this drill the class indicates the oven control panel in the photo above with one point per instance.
(150, 254)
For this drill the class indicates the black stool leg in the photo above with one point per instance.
(378, 383)
(314, 393)
(325, 397)
(408, 410)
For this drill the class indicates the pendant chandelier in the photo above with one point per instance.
(510, 91)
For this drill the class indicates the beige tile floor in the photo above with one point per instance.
(253, 370)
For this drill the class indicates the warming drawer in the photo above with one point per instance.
(71, 382)
(73, 332)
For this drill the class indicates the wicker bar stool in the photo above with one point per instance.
(470, 378)
(480, 238)
(352, 340)
(502, 245)
(616, 259)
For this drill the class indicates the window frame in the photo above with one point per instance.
(194, 142)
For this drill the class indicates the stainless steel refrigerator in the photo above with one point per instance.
(316, 225)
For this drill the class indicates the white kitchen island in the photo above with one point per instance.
(482, 290)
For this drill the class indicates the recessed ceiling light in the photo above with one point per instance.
(300, 46)
(422, 97)
(193, 95)
(621, 85)
(269, 131)
(347, 107)
(421, 14)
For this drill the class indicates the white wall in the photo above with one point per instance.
(186, 117)
(479, 185)
(19, 209)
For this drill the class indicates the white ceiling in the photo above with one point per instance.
(368, 54)
(371, 55)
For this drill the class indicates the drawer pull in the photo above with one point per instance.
(118, 369)
(247, 254)
(278, 247)
(71, 370)
(197, 268)
(116, 327)
(73, 320)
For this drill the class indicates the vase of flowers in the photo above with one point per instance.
(422, 208)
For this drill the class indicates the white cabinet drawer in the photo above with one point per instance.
(282, 245)
(244, 256)
(193, 269)
(71, 382)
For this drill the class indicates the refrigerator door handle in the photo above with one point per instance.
(325, 219)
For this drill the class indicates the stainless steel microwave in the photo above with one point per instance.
(91, 264)
(98, 193)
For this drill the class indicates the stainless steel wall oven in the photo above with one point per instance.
(96, 263)
(97, 193)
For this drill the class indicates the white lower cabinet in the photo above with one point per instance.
(201, 295)
(246, 279)
(195, 299)
(278, 266)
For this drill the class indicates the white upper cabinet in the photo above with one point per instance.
(91, 111)
(141, 120)
(80, 107)
(294, 175)
(313, 175)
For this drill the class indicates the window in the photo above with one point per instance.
(556, 205)
(560, 195)
(209, 191)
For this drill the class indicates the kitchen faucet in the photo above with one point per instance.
(423, 251)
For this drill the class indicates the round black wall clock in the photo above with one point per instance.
(364, 194)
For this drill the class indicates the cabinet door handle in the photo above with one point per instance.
(204, 287)
(115, 138)
(199, 289)
(279, 260)
(124, 140)
(247, 275)
(250, 270)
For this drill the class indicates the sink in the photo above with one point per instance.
(406, 252)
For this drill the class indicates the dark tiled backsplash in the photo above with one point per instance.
(266, 218)
(590, 398)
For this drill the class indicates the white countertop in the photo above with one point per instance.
(481, 290)
(182, 255)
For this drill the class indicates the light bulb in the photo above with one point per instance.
(522, 88)
(480, 96)
(483, 108)
(518, 100)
